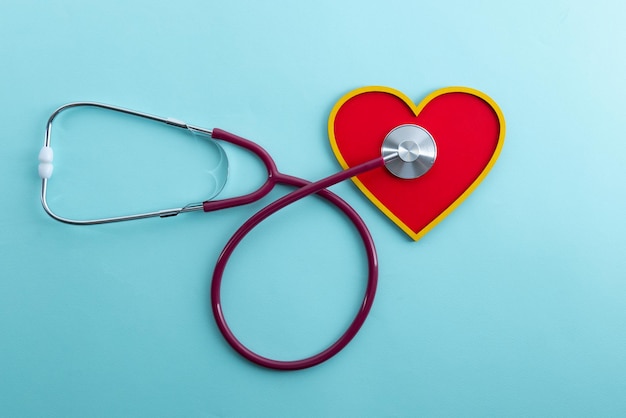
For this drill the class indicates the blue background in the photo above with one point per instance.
(513, 306)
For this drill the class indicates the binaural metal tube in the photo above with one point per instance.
(163, 213)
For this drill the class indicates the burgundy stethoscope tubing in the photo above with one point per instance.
(304, 188)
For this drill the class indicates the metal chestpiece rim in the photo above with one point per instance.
(409, 151)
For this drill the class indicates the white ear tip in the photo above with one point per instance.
(46, 155)
(45, 170)
(45, 162)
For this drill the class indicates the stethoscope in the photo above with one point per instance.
(408, 151)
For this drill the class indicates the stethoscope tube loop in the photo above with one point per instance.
(304, 188)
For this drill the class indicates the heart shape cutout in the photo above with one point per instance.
(466, 124)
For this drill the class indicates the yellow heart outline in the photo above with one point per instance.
(416, 110)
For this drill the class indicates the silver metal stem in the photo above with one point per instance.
(192, 207)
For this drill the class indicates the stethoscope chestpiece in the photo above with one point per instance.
(409, 151)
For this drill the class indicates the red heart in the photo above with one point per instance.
(468, 128)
